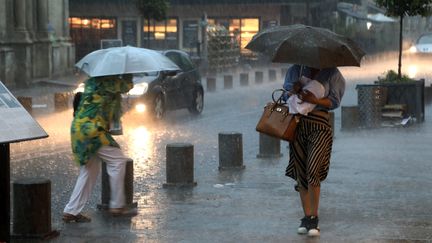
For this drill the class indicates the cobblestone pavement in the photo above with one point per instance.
(378, 188)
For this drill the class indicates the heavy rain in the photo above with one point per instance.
(377, 190)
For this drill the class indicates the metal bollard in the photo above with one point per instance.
(228, 81)
(32, 209)
(211, 84)
(179, 165)
(128, 184)
(259, 77)
(230, 151)
(272, 75)
(26, 102)
(244, 79)
(350, 118)
(269, 147)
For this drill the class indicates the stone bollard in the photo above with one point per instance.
(269, 147)
(230, 151)
(26, 102)
(61, 101)
(272, 75)
(259, 77)
(244, 79)
(228, 81)
(350, 118)
(179, 165)
(128, 184)
(32, 209)
(211, 84)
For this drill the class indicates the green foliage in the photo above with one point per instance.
(153, 9)
(392, 77)
(406, 7)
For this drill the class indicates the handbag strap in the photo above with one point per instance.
(278, 100)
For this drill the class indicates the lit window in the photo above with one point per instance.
(85, 23)
(75, 22)
(172, 25)
(107, 23)
(161, 30)
(95, 23)
(249, 27)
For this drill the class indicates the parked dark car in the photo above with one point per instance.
(155, 93)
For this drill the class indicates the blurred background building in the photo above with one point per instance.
(43, 38)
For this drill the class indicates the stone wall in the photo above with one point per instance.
(34, 41)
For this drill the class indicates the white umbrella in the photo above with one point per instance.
(126, 59)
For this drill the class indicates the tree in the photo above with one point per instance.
(152, 10)
(402, 8)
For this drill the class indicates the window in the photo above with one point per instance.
(87, 33)
(160, 34)
(93, 23)
(161, 30)
(241, 29)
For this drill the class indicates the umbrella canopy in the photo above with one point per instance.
(307, 45)
(122, 60)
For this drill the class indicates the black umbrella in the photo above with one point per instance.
(307, 45)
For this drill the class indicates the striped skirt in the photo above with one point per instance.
(310, 152)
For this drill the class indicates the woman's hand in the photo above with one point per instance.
(307, 96)
(297, 87)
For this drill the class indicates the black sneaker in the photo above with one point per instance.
(304, 226)
(313, 229)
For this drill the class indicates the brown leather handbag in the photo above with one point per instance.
(276, 121)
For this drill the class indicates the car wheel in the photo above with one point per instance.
(158, 107)
(197, 102)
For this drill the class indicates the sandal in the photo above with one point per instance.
(79, 218)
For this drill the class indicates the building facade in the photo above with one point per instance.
(34, 41)
(185, 27)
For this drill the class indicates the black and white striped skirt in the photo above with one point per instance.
(310, 152)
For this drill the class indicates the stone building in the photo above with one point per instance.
(34, 41)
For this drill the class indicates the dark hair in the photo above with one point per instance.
(76, 101)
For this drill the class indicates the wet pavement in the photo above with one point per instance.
(378, 188)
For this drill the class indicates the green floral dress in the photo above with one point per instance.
(100, 103)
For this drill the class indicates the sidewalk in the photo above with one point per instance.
(378, 189)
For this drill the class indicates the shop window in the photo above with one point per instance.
(160, 34)
(249, 27)
(87, 33)
(94, 23)
(241, 29)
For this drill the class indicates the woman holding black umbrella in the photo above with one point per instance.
(310, 152)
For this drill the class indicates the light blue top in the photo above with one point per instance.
(330, 78)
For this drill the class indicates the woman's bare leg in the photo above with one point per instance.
(314, 196)
(305, 201)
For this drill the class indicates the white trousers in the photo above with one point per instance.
(116, 166)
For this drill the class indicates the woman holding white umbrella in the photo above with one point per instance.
(110, 72)
(92, 142)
